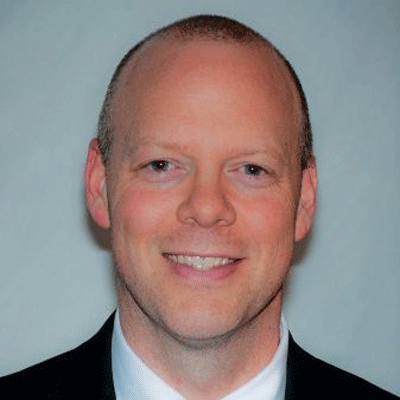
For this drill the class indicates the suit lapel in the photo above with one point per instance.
(290, 372)
(299, 371)
(99, 349)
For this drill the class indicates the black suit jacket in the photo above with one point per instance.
(85, 373)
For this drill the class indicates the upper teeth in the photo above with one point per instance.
(199, 262)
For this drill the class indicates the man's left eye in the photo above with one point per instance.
(254, 170)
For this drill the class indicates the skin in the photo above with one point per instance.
(205, 163)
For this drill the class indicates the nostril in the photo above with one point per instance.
(207, 207)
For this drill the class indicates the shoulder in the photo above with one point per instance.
(82, 371)
(317, 379)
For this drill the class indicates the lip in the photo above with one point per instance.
(213, 273)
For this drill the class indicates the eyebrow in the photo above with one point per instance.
(133, 146)
(133, 143)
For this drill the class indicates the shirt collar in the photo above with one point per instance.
(134, 380)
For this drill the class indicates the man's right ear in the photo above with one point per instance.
(95, 186)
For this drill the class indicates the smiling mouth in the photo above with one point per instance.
(200, 262)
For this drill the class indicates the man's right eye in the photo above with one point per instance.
(158, 165)
(161, 170)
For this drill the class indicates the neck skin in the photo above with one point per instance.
(207, 370)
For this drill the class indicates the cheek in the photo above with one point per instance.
(137, 211)
(272, 216)
(272, 238)
(137, 219)
(270, 231)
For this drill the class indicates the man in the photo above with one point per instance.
(203, 170)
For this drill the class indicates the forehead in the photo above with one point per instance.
(205, 79)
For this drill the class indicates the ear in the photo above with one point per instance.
(95, 186)
(306, 207)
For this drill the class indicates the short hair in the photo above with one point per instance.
(216, 28)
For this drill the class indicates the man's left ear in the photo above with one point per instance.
(306, 207)
(95, 186)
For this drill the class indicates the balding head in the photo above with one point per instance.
(203, 28)
(203, 191)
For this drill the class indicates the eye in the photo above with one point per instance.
(254, 170)
(161, 170)
(159, 165)
(253, 175)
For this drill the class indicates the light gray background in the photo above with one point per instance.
(56, 284)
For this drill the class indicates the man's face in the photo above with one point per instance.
(204, 185)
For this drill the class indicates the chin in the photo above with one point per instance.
(202, 328)
(202, 337)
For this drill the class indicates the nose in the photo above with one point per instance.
(206, 204)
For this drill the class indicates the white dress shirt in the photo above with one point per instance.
(133, 380)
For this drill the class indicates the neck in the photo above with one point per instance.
(209, 368)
